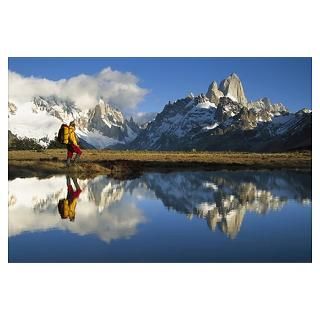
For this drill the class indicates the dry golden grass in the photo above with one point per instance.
(211, 157)
(291, 160)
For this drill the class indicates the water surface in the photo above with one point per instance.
(221, 216)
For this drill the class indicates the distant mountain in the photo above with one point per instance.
(223, 119)
(99, 126)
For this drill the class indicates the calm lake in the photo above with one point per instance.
(201, 216)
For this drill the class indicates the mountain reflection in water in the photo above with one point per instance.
(106, 208)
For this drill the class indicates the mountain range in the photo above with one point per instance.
(222, 119)
(222, 199)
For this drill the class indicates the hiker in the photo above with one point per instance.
(67, 207)
(72, 146)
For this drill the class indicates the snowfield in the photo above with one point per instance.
(41, 120)
(31, 124)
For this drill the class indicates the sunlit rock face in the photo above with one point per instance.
(109, 209)
(213, 93)
(232, 88)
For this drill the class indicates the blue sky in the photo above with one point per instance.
(286, 80)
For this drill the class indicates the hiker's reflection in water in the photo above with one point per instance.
(67, 207)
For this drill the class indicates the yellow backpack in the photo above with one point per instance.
(63, 134)
(63, 208)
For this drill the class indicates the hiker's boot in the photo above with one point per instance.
(68, 163)
(76, 159)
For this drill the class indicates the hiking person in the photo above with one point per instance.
(67, 207)
(72, 146)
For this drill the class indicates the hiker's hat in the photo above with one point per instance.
(72, 123)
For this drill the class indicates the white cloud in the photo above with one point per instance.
(117, 88)
(143, 117)
(101, 209)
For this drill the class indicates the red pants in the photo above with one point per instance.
(73, 194)
(72, 148)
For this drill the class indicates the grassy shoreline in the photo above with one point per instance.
(131, 163)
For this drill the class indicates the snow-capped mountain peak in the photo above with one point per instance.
(223, 119)
(100, 126)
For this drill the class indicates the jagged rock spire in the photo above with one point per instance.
(232, 88)
(213, 93)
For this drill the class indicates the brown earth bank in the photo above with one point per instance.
(131, 164)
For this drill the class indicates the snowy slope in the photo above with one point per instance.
(26, 122)
(101, 126)
(180, 119)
